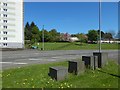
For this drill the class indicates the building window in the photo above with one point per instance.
(5, 4)
(4, 32)
(4, 44)
(1, 38)
(4, 38)
(5, 27)
(5, 21)
(4, 9)
(5, 15)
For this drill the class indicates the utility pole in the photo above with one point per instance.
(100, 25)
(43, 38)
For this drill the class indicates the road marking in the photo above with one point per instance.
(56, 57)
(19, 63)
(11, 63)
(51, 60)
(33, 59)
(6, 62)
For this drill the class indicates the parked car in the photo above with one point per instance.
(34, 47)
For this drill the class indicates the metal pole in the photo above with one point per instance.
(100, 25)
(43, 37)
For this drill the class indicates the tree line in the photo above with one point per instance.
(34, 34)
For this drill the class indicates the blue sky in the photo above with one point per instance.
(77, 17)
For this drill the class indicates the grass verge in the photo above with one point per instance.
(36, 76)
(0, 79)
(76, 46)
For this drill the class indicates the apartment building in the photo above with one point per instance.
(11, 24)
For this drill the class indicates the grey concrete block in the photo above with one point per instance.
(90, 62)
(76, 66)
(58, 72)
(95, 62)
(102, 58)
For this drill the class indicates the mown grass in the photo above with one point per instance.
(0, 79)
(76, 46)
(36, 76)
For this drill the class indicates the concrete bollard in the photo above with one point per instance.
(102, 58)
(58, 73)
(90, 62)
(76, 66)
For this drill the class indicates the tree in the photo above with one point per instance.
(32, 25)
(32, 33)
(54, 35)
(112, 33)
(82, 37)
(64, 37)
(92, 35)
(28, 32)
(35, 34)
(46, 36)
(27, 25)
(102, 33)
(108, 36)
(74, 35)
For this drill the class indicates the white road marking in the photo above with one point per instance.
(19, 63)
(51, 60)
(6, 62)
(56, 57)
(33, 59)
(11, 63)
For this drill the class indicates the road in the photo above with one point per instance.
(13, 59)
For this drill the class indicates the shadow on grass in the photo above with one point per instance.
(109, 74)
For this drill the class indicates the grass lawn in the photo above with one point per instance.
(36, 76)
(0, 79)
(76, 46)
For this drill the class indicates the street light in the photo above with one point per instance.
(102, 56)
(43, 38)
(99, 25)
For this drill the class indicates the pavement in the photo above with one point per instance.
(14, 59)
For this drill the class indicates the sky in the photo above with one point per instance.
(71, 0)
(72, 17)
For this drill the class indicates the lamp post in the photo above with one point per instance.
(99, 25)
(43, 37)
(102, 56)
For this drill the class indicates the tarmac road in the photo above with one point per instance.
(11, 59)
